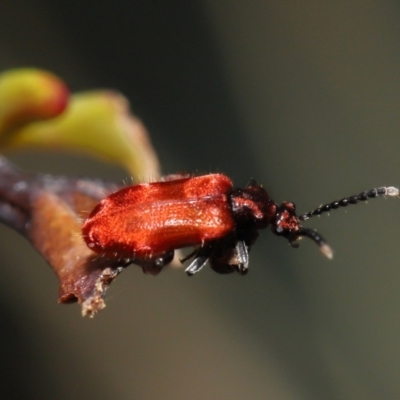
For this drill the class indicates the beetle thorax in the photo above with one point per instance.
(252, 207)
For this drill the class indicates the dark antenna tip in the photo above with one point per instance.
(363, 196)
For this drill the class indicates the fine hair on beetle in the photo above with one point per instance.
(146, 223)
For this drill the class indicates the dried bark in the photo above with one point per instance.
(48, 211)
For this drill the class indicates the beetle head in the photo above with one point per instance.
(287, 224)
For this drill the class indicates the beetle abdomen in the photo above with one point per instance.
(149, 219)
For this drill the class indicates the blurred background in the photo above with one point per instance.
(304, 97)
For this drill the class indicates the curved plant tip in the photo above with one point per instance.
(37, 112)
(28, 95)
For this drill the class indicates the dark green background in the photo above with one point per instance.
(304, 97)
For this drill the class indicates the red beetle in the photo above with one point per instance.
(145, 223)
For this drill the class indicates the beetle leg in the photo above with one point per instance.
(201, 258)
(196, 265)
(190, 255)
(231, 254)
(153, 266)
(242, 256)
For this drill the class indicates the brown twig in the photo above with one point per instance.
(48, 211)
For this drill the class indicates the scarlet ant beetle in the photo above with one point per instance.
(145, 223)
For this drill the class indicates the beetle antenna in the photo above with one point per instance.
(317, 238)
(363, 196)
